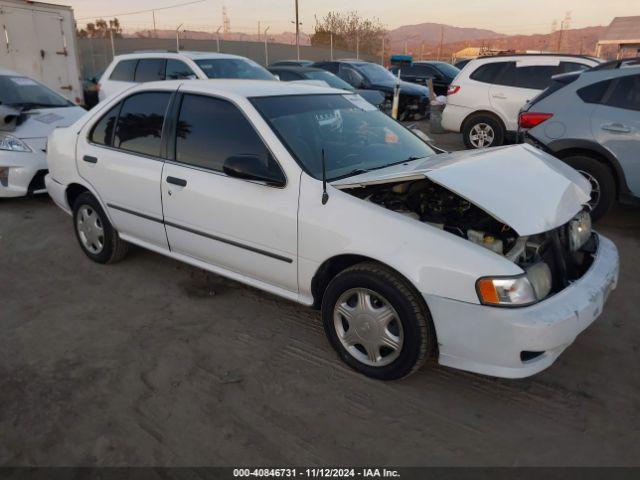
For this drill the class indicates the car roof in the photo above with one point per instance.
(167, 54)
(517, 56)
(291, 68)
(240, 87)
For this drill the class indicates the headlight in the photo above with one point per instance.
(13, 144)
(579, 230)
(506, 291)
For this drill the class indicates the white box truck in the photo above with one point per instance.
(39, 40)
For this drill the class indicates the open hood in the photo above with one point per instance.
(518, 185)
(38, 123)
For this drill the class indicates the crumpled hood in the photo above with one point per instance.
(519, 185)
(39, 123)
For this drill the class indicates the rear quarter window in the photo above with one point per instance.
(594, 93)
(489, 72)
(124, 71)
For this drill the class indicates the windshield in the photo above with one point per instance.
(24, 93)
(375, 73)
(446, 69)
(330, 78)
(355, 136)
(233, 68)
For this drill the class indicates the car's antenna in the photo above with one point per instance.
(325, 195)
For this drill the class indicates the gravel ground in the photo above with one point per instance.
(152, 362)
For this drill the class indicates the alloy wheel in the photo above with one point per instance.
(482, 135)
(90, 229)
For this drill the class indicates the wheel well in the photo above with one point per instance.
(73, 191)
(481, 113)
(574, 152)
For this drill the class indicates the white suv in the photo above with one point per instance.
(485, 98)
(313, 194)
(127, 70)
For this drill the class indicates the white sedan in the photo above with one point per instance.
(484, 260)
(29, 111)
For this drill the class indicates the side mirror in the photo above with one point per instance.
(251, 167)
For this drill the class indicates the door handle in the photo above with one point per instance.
(616, 128)
(499, 96)
(177, 181)
(90, 159)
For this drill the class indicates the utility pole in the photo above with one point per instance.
(441, 42)
(155, 32)
(297, 32)
(382, 53)
(113, 47)
(218, 37)
(331, 43)
(357, 46)
(266, 47)
(178, 38)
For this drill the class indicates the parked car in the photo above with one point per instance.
(292, 74)
(591, 120)
(483, 259)
(485, 98)
(440, 73)
(29, 111)
(127, 70)
(414, 99)
(291, 63)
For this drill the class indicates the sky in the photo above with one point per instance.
(503, 16)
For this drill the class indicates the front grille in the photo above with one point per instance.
(37, 182)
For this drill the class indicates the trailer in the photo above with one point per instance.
(39, 40)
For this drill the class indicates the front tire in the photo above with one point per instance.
(96, 236)
(603, 185)
(376, 322)
(483, 131)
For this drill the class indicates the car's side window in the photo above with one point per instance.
(594, 93)
(626, 93)
(568, 67)
(139, 127)
(535, 77)
(287, 76)
(177, 70)
(102, 132)
(150, 70)
(124, 71)
(489, 72)
(211, 130)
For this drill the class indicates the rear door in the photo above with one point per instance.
(245, 227)
(615, 123)
(120, 156)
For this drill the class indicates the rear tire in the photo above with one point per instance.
(96, 236)
(603, 185)
(483, 131)
(394, 324)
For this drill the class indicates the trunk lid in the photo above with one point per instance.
(518, 185)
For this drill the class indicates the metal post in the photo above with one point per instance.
(266, 47)
(155, 32)
(297, 32)
(421, 51)
(259, 31)
(382, 54)
(113, 47)
(331, 37)
(218, 37)
(357, 47)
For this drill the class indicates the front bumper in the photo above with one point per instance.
(490, 340)
(23, 167)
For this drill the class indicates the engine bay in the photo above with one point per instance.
(428, 202)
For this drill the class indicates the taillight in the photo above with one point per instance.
(531, 119)
(453, 89)
(97, 87)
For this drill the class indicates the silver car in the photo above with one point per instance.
(591, 120)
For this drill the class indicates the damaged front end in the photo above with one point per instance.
(551, 260)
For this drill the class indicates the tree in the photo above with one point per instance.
(348, 29)
(101, 28)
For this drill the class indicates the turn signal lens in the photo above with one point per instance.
(506, 291)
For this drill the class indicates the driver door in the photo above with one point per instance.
(244, 227)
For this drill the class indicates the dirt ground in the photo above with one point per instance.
(152, 362)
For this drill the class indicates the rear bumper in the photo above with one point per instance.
(491, 340)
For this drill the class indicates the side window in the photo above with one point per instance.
(352, 77)
(102, 132)
(150, 70)
(426, 71)
(330, 66)
(536, 77)
(626, 93)
(568, 67)
(177, 70)
(139, 127)
(124, 70)
(594, 93)
(211, 130)
(488, 73)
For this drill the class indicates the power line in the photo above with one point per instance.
(144, 11)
